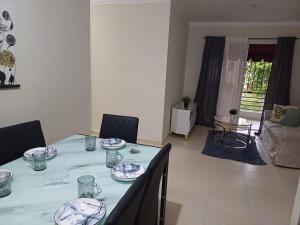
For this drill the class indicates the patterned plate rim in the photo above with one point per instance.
(110, 147)
(104, 208)
(48, 157)
(127, 179)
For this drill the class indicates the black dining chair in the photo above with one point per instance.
(148, 210)
(125, 211)
(16, 139)
(123, 127)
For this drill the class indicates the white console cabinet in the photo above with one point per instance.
(183, 120)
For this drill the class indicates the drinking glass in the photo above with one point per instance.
(86, 187)
(90, 143)
(5, 184)
(113, 157)
(39, 160)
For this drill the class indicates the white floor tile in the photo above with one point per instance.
(204, 190)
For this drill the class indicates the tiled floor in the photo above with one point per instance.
(204, 190)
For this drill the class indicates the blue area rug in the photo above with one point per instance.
(247, 155)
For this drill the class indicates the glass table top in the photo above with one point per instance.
(36, 195)
(233, 121)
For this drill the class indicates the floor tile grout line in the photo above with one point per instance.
(283, 189)
(249, 203)
(205, 210)
(269, 163)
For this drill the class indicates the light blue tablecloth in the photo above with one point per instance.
(34, 199)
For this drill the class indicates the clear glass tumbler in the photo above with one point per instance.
(90, 143)
(39, 160)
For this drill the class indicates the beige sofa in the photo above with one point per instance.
(282, 143)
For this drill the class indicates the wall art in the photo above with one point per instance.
(8, 41)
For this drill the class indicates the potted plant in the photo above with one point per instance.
(233, 113)
(186, 101)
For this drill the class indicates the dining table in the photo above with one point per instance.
(36, 195)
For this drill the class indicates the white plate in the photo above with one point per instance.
(85, 211)
(112, 143)
(51, 152)
(118, 173)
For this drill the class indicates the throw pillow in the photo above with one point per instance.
(279, 112)
(291, 118)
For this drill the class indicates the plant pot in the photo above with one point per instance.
(186, 105)
(232, 117)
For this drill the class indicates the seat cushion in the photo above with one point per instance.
(276, 134)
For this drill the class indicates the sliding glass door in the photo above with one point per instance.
(257, 72)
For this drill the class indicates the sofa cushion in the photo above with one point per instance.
(279, 112)
(291, 118)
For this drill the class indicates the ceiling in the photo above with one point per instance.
(240, 10)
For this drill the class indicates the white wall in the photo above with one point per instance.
(53, 61)
(196, 45)
(129, 44)
(178, 36)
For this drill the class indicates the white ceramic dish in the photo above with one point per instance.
(127, 171)
(112, 143)
(82, 211)
(51, 152)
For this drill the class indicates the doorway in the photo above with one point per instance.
(257, 72)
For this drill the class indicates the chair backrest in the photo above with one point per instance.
(123, 127)
(148, 210)
(16, 139)
(125, 211)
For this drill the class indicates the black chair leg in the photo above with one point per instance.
(163, 200)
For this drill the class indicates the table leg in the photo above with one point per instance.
(163, 200)
(249, 135)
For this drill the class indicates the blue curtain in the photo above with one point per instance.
(209, 81)
(278, 91)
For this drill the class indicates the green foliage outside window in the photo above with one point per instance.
(255, 85)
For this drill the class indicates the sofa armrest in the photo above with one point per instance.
(267, 114)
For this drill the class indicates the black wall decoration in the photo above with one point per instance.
(8, 67)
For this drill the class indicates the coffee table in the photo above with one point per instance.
(233, 128)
